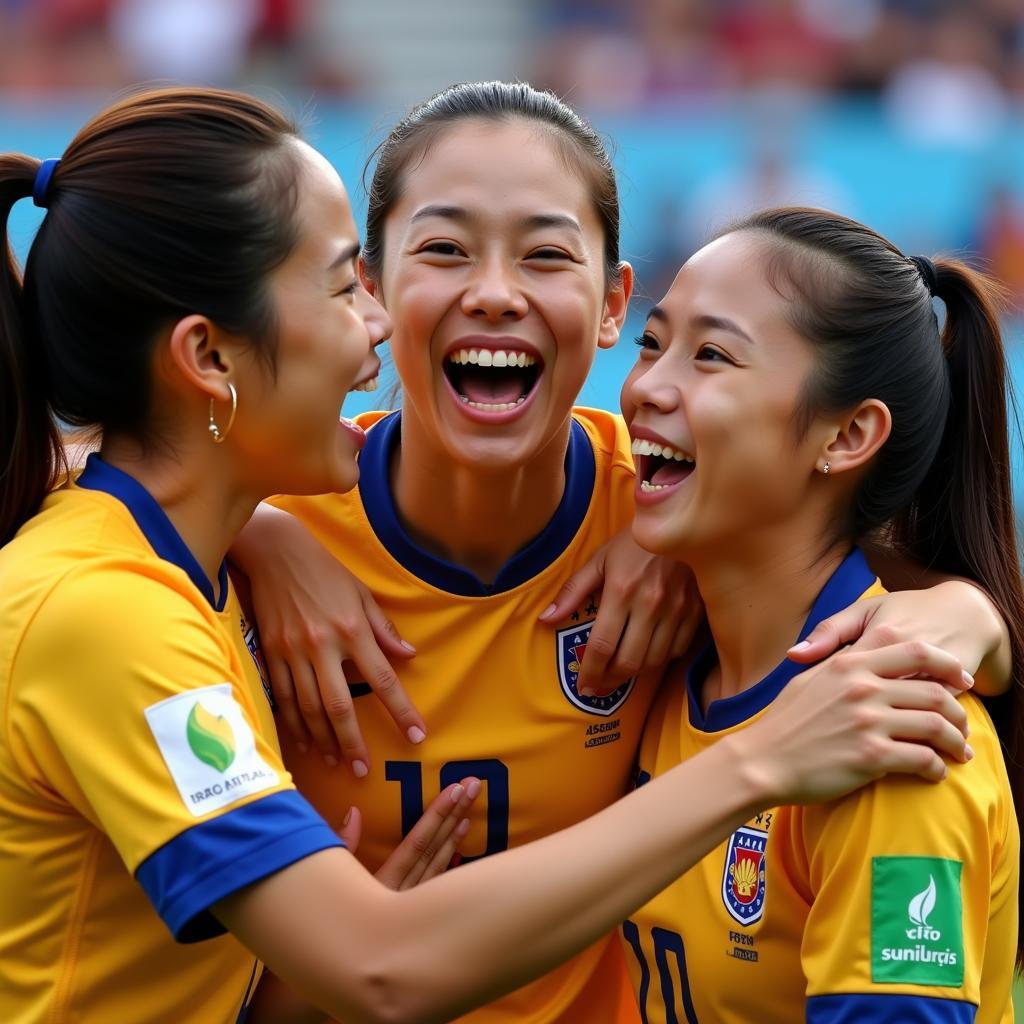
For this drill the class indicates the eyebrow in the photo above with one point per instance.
(460, 213)
(721, 323)
(350, 252)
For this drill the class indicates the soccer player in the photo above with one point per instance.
(492, 239)
(193, 293)
(793, 394)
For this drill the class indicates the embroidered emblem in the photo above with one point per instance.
(743, 877)
(571, 645)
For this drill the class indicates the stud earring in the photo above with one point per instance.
(216, 433)
(826, 467)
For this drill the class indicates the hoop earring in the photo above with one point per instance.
(216, 433)
(826, 467)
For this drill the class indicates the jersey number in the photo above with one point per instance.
(666, 944)
(491, 772)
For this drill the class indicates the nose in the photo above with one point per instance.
(493, 293)
(653, 388)
(375, 317)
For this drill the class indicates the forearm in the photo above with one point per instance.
(464, 938)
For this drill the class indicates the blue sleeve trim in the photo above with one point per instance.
(877, 1008)
(209, 861)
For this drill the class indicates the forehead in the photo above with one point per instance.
(499, 168)
(323, 209)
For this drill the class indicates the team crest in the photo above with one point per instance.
(743, 877)
(571, 646)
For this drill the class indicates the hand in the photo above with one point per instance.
(855, 718)
(313, 614)
(649, 612)
(432, 842)
(955, 616)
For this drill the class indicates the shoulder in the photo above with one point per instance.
(608, 434)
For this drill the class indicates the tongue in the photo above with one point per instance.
(671, 472)
(492, 387)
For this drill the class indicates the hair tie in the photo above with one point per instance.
(926, 269)
(41, 186)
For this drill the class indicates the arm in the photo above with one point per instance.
(359, 950)
(313, 615)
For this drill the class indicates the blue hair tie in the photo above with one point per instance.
(41, 186)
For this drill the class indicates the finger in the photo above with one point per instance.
(351, 830)
(384, 631)
(832, 633)
(285, 706)
(686, 632)
(335, 713)
(915, 657)
(310, 705)
(446, 851)
(602, 643)
(377, 671)
(918, 695)
(445, 841)
(912, 759)
(576, 590)
(930, 728)
(633, 648)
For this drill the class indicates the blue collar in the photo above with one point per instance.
(844, 586)
(153, 522)
(537, 555)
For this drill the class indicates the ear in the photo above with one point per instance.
(857, 437)
(369, 283)
(203, 355)
(616, 303)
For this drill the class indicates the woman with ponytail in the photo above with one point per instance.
(798, 365)
(192, 294)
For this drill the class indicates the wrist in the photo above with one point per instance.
(755, 777)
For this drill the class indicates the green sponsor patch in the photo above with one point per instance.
(917, 935)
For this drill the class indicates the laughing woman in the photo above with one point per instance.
(797, 370)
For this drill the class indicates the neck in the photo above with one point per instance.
(196, 491)
(467, 514)
(758, 593)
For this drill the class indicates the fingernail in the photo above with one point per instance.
(587, 692)
(359, 769)
(472, 788)
(302, 748)
(348, 818)
(802, 646)
(415, 734)
(968, 679)
(457, 792)
(332, 761)
(547, 611)
(409, 647)
(462, 828)
(968, 751)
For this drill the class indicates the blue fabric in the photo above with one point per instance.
(211, 860)
(844, 586)
(877, 1008)
(154, 524)
(379, 505)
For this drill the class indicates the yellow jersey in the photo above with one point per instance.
(895, 904)
(140, 777)
(497, 689)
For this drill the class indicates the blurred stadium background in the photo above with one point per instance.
(908, 114)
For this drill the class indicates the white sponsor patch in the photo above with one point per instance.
(209, 748)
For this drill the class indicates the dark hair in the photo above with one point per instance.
(170, 202)
(581, 148)
(940, 485)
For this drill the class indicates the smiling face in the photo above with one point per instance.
(493, 273)
(712, 402)
(327, 325)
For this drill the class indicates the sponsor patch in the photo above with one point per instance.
(209, 748)
(743, 876)
(571, 645)
(916, 921)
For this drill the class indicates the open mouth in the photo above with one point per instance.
(492, 380)
(659, 466)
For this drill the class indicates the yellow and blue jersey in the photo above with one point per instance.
(896, 904)
(496, 687)
(140, 776)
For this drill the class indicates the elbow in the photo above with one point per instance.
(383, 999)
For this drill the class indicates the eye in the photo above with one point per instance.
(349, 289)
(648, 342)
(710, 354)
(548, 253)
(442, 249)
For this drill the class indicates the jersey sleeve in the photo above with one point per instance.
(129, 707)
(912, 914)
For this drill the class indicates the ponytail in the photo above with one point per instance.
(31, 453)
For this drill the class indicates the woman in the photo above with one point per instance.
(492, 239)
(193, 293)
(797, 359)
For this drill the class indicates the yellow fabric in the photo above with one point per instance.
(94, 630)
(486, 681)
(814, 937)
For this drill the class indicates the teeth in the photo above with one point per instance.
(489, 357)
(642, 446)
(368, 385)
(647, 487)
(496, 407)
